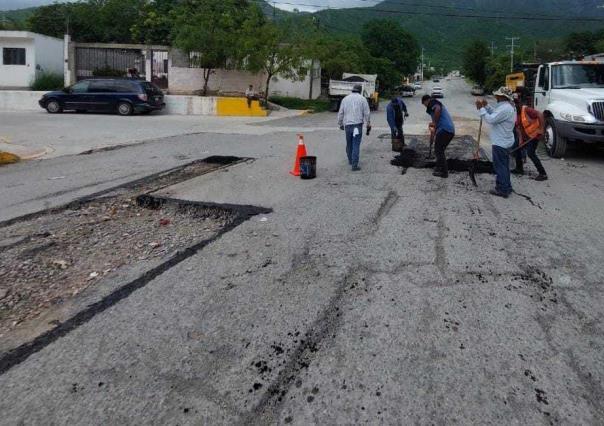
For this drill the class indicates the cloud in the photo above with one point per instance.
(314, 5)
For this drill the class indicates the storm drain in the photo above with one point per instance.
(49, 258)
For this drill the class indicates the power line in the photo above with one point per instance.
(453, 15)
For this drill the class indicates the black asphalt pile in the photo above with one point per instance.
(459, 155)
(53, 256)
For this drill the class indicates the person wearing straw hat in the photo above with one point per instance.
(502, 118)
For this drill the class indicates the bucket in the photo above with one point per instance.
(308, 167)
(397, 145)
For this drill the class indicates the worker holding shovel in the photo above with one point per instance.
(442, 131)
(530, 127)
(502, 118)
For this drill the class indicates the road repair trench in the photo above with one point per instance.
(460, 153)
(49, 259)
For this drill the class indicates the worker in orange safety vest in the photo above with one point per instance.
(530, 127)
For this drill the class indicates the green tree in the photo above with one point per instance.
(599, 46)
(475, 59)
(154, 24)
(105, 21)
(580, 43)
(339, 55)
(271, 47)
(549, 50)
(385, 38)
(497, 68)
(50, 20)
(210, 30)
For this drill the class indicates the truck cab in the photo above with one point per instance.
(571, 96)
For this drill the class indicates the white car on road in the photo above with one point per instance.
(437, 92)
(417, 85)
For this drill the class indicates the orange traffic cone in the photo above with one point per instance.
(299, 154)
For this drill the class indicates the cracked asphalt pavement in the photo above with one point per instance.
(369, 297)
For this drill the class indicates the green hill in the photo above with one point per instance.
(16, 17)
(444, 37)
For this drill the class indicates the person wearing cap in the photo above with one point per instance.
(502, 118)
(442, 130)
(394, 116)
(530, 127)
(354, 112)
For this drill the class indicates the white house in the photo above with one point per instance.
(24, 54)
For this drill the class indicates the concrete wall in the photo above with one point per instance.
(17, 76)
(185, 80)
(19, 100)
(190, 105)
(190, 80)
(297, 89)
(49, 54)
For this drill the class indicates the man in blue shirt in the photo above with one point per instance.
(394, 115)
(442, 130)
(502, 118)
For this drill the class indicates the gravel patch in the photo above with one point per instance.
(47, 259)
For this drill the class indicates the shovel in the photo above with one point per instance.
(476, 156)
(430, 156)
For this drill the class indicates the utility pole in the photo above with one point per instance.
(422, 65)
(274, 11)
(493, 48)
(511, 46)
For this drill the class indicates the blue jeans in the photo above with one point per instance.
(353, 144)
(501, 164)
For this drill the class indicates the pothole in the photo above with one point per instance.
(460, 153)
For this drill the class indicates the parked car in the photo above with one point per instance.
(436, 80)
(406, 91)
(124, 96)
(417, 85)
(437, 92)
(477, 91)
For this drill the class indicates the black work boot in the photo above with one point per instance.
(541, 177)
(518, 171)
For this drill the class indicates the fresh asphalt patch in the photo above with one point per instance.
(59, 268)
(460, 154)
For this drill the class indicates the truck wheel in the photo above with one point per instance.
(335, 105)
(555, 144)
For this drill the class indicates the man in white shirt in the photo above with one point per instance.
(502, 118)
(250, 95)
(354, 112)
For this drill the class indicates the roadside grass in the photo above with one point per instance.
(45, 81)
(314, 105)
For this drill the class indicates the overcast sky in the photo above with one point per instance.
(313, 5)
(306, 5)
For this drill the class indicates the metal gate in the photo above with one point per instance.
(159, 68)
(108, 62)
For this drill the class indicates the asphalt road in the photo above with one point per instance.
(369, 297)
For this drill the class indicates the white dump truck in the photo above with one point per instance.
(571, 96)
(338, 89)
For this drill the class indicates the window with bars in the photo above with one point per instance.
(13, 56)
